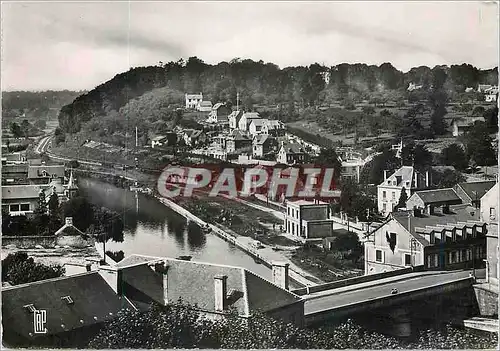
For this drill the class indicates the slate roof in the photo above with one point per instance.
(238, 135)
(194, 283)
(251, 115)
(13, 168)
(217, 106)
(13, 192)
(261, 139)
(435, 196)
(407, 174)
(52, 170)
(93, 302)
(159, 138)
(205, 104)
(459, 213)
(480, 187)
(259, 122)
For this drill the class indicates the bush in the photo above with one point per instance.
(18, 268)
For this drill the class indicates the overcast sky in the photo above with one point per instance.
(80, 45)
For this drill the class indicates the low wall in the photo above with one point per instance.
(487, 301)
(357, 280)
(50, 241)
(26, 242)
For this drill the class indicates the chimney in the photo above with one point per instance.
(220, 284)
(69, 220)
(161, 268)
(385, 174)
(427, 179)
(280, 274)
(113, 276)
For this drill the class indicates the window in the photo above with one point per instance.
(407, 260)
(25, 207)
(14, 208)
(30, 308)
(384, 207)
(493, 213)
(288, 210)
(454, 257)
(393, 196)
(293, 228)
(68, 299)
(384, 195)
(433, 238)
(378, 256)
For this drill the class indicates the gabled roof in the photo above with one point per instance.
(406, 174)
(218, 105)
(238, 135)
(51, 170)
(13, 192)
(194, 96)
(235, 114)
(262, 139)
(15, 168)
(194, 283)
(93, 302)
(69, 230)
(475, 190)
(159, 138)
(438, 196)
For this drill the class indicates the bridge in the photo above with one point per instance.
(366, 295)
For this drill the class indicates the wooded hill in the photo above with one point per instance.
(263, 84)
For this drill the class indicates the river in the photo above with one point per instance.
(153, 229)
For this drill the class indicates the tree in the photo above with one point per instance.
(81, 210)
(16, 131)
(491, 118)
(447, 179)
(41, 208)
(478, 145)
(328, 158)
(454, 155)
(402, 199)
(53, 205)
(416, 155)
(437, 100)
(373, 171)
(21, 269)
(349, 191)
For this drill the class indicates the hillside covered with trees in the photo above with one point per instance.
(286, 90)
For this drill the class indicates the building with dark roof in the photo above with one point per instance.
(389, 191)
(291, 153)
(44, 173)
(472, 192)
(428, 200)
(461, 125)
(263, 144)
(219, 113)
(75, 307)
(451, 240)
(213, 289)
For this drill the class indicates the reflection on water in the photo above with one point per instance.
(153, 229)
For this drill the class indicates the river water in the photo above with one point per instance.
(153, 229)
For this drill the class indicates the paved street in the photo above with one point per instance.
(357, 293)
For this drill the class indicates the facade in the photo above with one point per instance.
(256, 125)
(263, 144)
(351, 169)
(246, 119)
(291, 153)
(489, 215)
(460, 126)
(451, 240)
(274, 128)
(426, 201)
(20, 199)
(43, 174)
(389, 192)
(204, 106)
(219, 114)
(192, 100)
(234, 119)
(412, 86)
(308, 220)
(237, 140)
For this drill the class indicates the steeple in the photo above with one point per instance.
(71, 182)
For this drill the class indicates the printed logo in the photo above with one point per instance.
(306, 182)
(39, 320)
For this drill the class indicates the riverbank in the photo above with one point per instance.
(266, 255)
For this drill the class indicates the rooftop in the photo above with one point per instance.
(13, 192)
(50, 170)
(476, 190)
(250, 291)
(93, 301)
(435, 196)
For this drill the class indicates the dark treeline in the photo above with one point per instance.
(18, 102)
(260, 83)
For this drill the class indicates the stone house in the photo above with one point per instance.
(308, 220)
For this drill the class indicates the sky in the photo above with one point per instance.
(78, 45)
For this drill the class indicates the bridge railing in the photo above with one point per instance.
(356, 280)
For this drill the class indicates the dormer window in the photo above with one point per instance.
(30, 308)
(68, 300)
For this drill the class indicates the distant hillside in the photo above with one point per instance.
(260, 83)
(35, 104)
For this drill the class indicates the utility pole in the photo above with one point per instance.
(237, 101)
(136, 138)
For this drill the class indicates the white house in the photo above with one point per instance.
(291, 153)
(234, 119)
(389, 191)
(192, 100)
(308, 220)
(158, 141)
(204, 106)
(246, 119)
